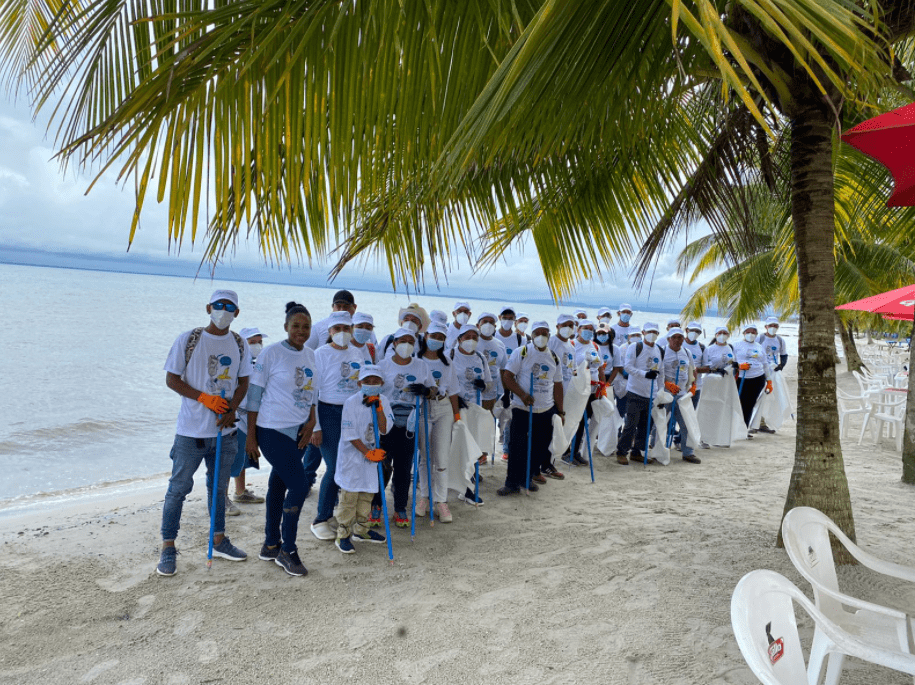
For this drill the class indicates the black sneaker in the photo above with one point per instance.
(581, 461)
(766, 429)
(227, 550)
(167, 562)
(505, 490)
(468, 498)
(291, 563)
(371, 536)
(345, 545)
(692, 459)
(269, 553)
(532, 487)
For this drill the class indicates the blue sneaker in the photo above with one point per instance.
(167, 559)
(345, 545)
(227, 550)
(371, 536)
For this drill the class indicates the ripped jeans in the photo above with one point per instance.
(286, 489)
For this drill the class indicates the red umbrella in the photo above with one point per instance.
(897, 304)
(890, 139)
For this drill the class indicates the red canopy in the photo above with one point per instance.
(890, 139)
(897, 304)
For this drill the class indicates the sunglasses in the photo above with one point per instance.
(219, 306)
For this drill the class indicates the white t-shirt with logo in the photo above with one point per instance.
(590, 353)
(494, 353)
(442, 376)
(338, 373)
(467, 368)
(289, 379)
(527, 360)
(214, 367)
(354, 472)
(397, 378)
(566, 353)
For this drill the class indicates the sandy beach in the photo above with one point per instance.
(627, 580)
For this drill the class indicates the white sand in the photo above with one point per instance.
(627, 580)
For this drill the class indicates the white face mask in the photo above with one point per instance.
(256, 349)
(566, 331)
(692, 336)
(541, 340)
(487, 329)
(469, 346)
(605, 319)
(522, 326)
(651, 337)
(722, 338)
(404, 350)
(221, 319)
(749, 337)
(462, 318)
(772, 330)
(625, 317)
(341, 338)
(410, 326)
(506, 324)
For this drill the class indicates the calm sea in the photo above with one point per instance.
(85, 400)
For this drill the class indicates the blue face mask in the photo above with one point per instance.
(362, 335)
(435, 345)
(586, 335)
(371, 390)
(602, 339)
(625, 317)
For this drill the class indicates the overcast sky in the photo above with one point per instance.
(46, 217)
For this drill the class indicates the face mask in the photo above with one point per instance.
(462, 318)
(506, 324)
(404, 350)
(722, 338)
(410, 326)
(522, 326)
(605, 319)
(651, 337)
(692, 336)
(602, 339)
(541, 340)
(371, 390)
(566, 331)
(256, 349)
(749, 337)
(362, 335)
(221, 319)
(772, 330)
(434, 345)
(625, 317)
(487, 329)
(633, 341)
(586, 335)
(342, 338)
(469, 346)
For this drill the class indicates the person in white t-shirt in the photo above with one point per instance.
(363, 335)
(338, 380)
(342, 301)
(406, 377)
(242, 495)
(461, 315)
(358, 457)
(209, 367)
(604, 316)
(412, 317)
(281, 416)
(534, 377)
(586, 350)
(494, 355)
(562, 346)
(621, 327)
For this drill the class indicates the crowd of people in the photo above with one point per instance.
(334, 393)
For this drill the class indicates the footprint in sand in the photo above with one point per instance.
(144, 605)
(188, 623)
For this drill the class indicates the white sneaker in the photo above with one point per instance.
(444, 513)
(323, 531)
(422, 506)
(231, 509)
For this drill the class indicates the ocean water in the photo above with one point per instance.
(85, 401)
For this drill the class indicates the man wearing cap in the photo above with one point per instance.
(209, 367)
(562, 347)
(242, 495)
(509, 338)
(646, 376)
(621, 327)
(461, 315)
(534, 376)
(680, 373)
(604, 316)
(586, 350)
(622, 378)
(776, 351)
(671, 323)
(413, 318)
(580, 314)
(363, 333)
(343, 301)
(494, 354)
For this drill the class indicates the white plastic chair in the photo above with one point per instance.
(805, 532)
(887, 410)
(763, 621)
(851, 405)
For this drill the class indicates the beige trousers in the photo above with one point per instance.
(353, 512)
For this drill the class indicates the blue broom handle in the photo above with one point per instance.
(384, 501)
(222, 394)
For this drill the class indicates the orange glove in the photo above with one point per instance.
(768, 387)
(218, 405)
(671, 387)
(457, 417)
(376, 454)
(744, 367)
(692, 389)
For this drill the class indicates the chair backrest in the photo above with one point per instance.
(805, 532)
(762, 618)
(848, 401)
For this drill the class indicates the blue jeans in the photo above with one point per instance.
(286, 488)
(330, 416)
(311, 461)
(683, 434)
(186, 455)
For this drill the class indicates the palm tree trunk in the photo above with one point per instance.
(852, 358)
(908, 440)
(818, 479)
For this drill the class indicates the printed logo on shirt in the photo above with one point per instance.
(349, 375)
(369, 437)
(302, 395)
(218, 367)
